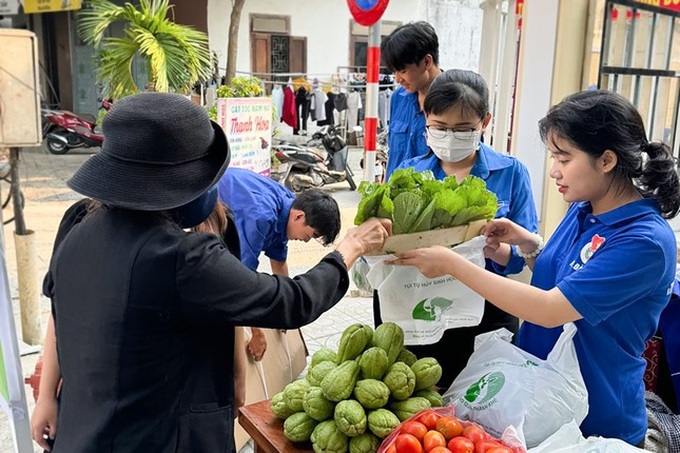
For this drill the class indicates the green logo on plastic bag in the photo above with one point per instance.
(486, 388)
(431, 309)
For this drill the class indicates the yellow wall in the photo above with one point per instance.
(570, 54)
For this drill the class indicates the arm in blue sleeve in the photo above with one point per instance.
(522, 212)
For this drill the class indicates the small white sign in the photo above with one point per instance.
(9, 7)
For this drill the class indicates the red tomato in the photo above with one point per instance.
(474, 433)
(433, 439)
(415, 428)
(450, 427)
(461, 444)
(429, 419)
(392, 449)
(499, 450)
(485, 445)
(407, 443)
(440, 450)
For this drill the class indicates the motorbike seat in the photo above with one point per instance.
(305, 157)
(87, 117)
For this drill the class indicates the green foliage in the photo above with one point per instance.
(241, 87)
(212, 113)
(100, 116)
(177, 55)
(417, 202)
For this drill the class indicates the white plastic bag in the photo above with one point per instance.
(503, 386)
(425, 307)
(568, 439)
(359, 272)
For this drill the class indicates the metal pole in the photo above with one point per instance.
(371, 117)
(19, 221)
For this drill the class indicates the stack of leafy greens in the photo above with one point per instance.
(418, 202)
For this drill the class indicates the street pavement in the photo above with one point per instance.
(43, 182)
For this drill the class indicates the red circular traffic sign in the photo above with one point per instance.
(367, 12)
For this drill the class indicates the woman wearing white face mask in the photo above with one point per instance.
(457, 111)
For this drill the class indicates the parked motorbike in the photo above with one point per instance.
(312, 166)
(64, 130)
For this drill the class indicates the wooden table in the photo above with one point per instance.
(267, 430)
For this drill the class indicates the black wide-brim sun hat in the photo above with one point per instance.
(160, 151)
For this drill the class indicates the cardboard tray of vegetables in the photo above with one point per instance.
(426, 211)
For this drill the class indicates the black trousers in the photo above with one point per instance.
(302, 105)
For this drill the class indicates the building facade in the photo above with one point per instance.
(316, 38)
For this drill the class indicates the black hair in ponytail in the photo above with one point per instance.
(659, 178)
(596, 121)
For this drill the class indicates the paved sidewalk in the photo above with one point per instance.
(43, 179)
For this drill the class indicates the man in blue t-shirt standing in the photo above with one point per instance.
(267, 216)
(411, 52)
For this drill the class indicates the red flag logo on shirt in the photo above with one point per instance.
(589, 249)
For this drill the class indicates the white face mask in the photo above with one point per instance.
(454, 146)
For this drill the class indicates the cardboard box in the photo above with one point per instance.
(447, 237)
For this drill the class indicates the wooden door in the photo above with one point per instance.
(298, 54)
(260, 53)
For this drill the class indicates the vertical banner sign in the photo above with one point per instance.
(368, 13)
(248, 125)
(12, 394)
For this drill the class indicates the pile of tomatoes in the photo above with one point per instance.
(430, 432)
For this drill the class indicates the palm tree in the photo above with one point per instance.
(177, 55)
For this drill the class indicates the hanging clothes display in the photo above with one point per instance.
(289, 115)
(277, 100)
(353, 106)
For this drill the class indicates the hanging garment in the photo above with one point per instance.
(383, 108)
(312, 113)
(329, 105)
(302, 102)
(389, 101)
(318, 101)
(340, 102)
(210, 96)
(289, 115)
(277, 100)
(301, 82)
(353, 106)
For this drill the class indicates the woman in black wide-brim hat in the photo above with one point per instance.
(143, 310)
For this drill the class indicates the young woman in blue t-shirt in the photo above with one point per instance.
(608, 267)
(457, 112)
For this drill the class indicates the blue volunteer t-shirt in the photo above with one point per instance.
(406, 138)
(505, 176)
(261, 208)
(616, 269)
